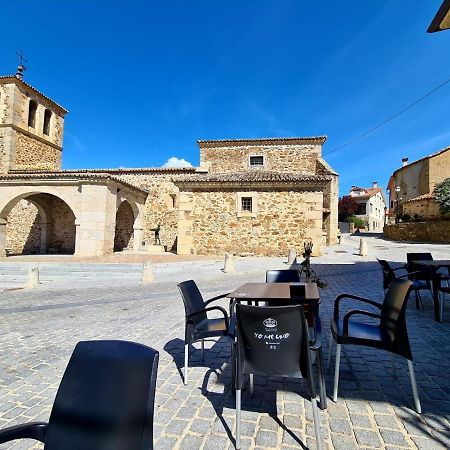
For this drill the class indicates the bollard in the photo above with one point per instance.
(228, 266)
(362, 247)
(341, 239)
(147, 273)
(292, 256)
(33, 277)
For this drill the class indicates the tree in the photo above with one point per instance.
(347, 207)
(442, 196)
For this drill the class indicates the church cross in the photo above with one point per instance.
(22, 58)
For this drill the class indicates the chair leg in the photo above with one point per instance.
(238, 419)
(186, 362)
(414, 387)
(394, 365)
(323, 390)
(203, 350)
(316, 423)
(418, 300)
(330, 351)
(442, 304)
(251, 384)
(336, 372)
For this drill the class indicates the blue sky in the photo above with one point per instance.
(144, 80)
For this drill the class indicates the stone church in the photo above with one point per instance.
(248, 196)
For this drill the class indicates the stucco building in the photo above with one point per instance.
(249, 196)
(371, 206)
(411, 186)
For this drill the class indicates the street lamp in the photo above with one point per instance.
(397, 200)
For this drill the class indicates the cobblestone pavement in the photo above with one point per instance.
(40, 327)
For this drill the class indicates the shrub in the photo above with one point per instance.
(359, 223)
(346, 208)
(442, 196)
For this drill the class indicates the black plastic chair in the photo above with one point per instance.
(197, 325)
(273, 341)
(389, 334)
(421, 276)
(389, 275)
(443, 289)
(282, 276)
(105, 401)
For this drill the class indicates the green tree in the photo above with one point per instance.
(346, 208)
(442, 196)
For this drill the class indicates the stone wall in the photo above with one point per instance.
(209, 223)
(3, 155)
(123, 236)
(429, 231)
(277, 158)
(426, 208)
(160, 206)
(62, 220)
(23, 229)
(34, 154)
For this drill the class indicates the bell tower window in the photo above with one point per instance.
(47, 117)
(32, 108)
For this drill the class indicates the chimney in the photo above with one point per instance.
(404, 162)
(374, 184)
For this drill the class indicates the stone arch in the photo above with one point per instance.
(47, 227)
(124, 227)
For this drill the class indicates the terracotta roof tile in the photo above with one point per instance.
(250, 176)
(269, 141)
(420, 197)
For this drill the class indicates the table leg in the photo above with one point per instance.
(437, 310)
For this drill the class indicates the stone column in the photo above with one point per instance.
(137, 237)
(2, 238)
(43, 248)
(185, 242)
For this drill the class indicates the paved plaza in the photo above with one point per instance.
(40, 327)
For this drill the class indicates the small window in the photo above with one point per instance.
(32, 113)
(256, 161)
(47, 117)
(246, 204)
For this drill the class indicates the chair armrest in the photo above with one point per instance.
(32, 430)
(207, 302)
(362, 313)
(404, 267)
(211, 308)
(354, 297)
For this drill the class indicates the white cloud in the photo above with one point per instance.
(176, 162)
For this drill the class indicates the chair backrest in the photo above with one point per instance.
(394, 304)
(425, 272)
(192, 299)
(105, 399)
(388, 273)
(282, 276)
(272, 341)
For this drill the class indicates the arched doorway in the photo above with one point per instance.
(38, 223)
(123, 237)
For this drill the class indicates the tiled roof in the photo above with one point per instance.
(14, 79)
(250, 176)
(370, 192)
(65, 175)
(420, 197)
(122, 171)
(446, 149)
(268, 141)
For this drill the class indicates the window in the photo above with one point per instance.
(47, 117)
(32, 113)
(246, 204)
(256, 161)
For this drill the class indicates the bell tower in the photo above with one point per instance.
(31, 127)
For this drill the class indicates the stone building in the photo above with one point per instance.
(251, 196)
(411, 186)
(371, 206)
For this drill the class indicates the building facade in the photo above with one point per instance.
(250, 196)
(411, 186)
(371, 206)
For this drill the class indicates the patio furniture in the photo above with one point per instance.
(389, 275)
(105, 401)
(282, 276)
(273, 341)
(437, 278)
(197, 325)
(421, 276)
(444, 290)
(388, 334)
(288, 294)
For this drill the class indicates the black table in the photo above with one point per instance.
(435, 265)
